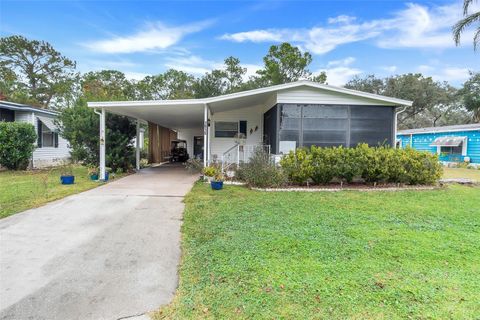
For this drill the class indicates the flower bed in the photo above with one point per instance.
(365, 166)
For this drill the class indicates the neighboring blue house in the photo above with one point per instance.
(459, 143)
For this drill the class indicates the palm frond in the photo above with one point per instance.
(476, 39)
(466, 5)
(462, 24)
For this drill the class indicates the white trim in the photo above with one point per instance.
(464, 146)
(19, 107)
(440, 130)
(395, 125)
(137, 147)
(250, 93)
(205, 134)
(102, 144)
(399, 142)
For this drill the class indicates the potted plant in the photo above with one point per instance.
(210, 172)
(66, 174)
(93, 173)
(217, 182)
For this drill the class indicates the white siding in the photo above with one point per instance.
(187, 135)
(253, 116)
(49, 156)
(24, 116)
(319, 96)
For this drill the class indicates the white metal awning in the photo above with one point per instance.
(48, 123)
(447, 142)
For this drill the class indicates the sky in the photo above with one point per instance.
(345, 38)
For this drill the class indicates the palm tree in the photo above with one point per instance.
(469, 19)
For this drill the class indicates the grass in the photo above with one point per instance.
(345, 255)
(22, 190)
(450, 173)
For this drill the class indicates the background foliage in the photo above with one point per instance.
(33, 72)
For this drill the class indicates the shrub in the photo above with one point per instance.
(421, 167)
(346, 163)
(16, 144)
(323, 164)
(395, 162)
(260, 171)
(298, 166)
(373, 162)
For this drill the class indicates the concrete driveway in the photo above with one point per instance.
(108, 253)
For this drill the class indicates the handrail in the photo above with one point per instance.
(230, 149)
(225, 165)
(246, 152)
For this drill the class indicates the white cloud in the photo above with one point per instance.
(153, 36)
(274, 35)
(135, 75)
(390, 69)
(416, 26)
(199, 66)
(343, 62)
(251, 70)
(192, 64)
(342, 19)
(340, 72)
(419, 26)
(440, 72)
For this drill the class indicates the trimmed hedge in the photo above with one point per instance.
(371, 164)
(16, 144)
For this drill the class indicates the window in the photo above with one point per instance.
(451, 150)
(7, 115)
(224, 129)
(46, 137)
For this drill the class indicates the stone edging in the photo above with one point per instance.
(344, 189)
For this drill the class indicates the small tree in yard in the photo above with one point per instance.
(16, 144)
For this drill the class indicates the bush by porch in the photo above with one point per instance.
(322, 166)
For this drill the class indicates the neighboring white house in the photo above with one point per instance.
(280, 117)
(51, 148)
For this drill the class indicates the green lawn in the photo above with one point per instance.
(344, 255)
(21, 190)
(449, 173)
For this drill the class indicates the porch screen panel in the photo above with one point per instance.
(371, 124)
(270, 129)
(324, 126)
(290, 123)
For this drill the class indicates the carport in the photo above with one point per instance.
(186, 114)
(172, 114)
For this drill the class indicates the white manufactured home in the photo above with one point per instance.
(280, 118)
(51, 149)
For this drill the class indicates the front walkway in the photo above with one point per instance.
(107, 253)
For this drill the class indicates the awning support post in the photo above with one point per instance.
(137, 147)
(102, 144)
(205, 131)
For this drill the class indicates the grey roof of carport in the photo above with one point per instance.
(189, 113)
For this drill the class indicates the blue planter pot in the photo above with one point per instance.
(67, 179)
(216, 185)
